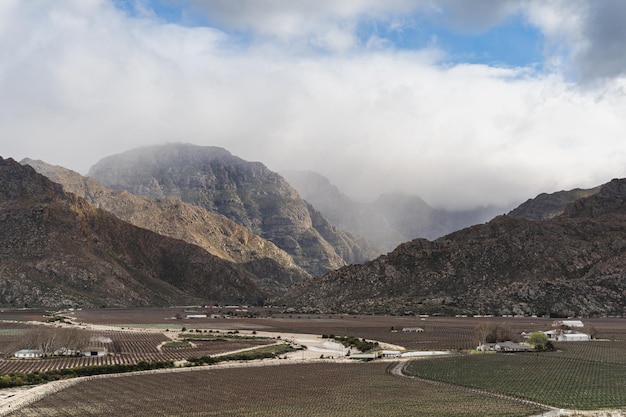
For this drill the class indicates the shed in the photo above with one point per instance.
(364, 356)
(568, 323)
(574, 337)
(412, 329)
(28, 353)
(512, 347)
(93, 351)
(391, 353)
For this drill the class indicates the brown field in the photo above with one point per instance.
(283, 390)
(456, 333)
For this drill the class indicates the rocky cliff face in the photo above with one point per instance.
(215, 233)
(246, 192)
(572, 264)
(56, 249)
(390, 220)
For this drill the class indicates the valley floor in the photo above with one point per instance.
(319, 352)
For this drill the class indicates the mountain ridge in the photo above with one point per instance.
(215, 233)
(58, 250)
(573, 264)
(246, 192)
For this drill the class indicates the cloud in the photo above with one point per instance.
(80, 80)
(604, 52)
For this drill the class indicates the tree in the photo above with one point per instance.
(540, 341)
(54, 340)
(482, 333)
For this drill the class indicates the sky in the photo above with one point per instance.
(463, 103)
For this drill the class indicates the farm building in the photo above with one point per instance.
(364, 356)
(512, 347)
(503, 347)
(568, 323)
(28, 353)
(412, 329)
(486, 347)
(391, 353)
(567, 336)
(93, 351)
(196, 316)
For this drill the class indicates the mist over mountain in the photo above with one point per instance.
(58, 250)
(571, 264)
(213, 232)
(246, 192)
(391, 219)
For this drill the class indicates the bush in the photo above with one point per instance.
(19, 379)
(540, 341)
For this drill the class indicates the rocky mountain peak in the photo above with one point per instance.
(246, 192)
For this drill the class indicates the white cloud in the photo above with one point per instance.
(80, 80)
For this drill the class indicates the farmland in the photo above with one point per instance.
(578, 380)
(289, 390)
(584, 375)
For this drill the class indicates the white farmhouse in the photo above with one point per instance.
(28, 353)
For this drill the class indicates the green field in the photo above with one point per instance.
(586, 375)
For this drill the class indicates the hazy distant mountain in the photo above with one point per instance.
(571, 264)
(246, 192)
(390, 220)
(56, 249)
(215, 233)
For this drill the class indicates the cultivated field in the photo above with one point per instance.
(588, 376)
(580, 375)
(286, 390)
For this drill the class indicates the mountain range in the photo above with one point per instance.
(186, 224)
(571, 264)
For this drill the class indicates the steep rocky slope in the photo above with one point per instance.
(246, 192)
(572, 264)
(56, 249)
(388, 221)
(215, 233)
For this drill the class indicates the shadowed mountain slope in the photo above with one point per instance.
(215, 233)
(56, 249)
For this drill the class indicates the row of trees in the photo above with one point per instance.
(20, 379)
(60, 341)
